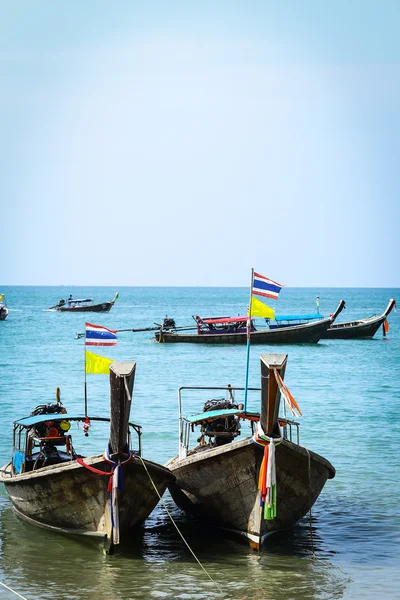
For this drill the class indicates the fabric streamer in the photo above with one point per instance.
(267, 475)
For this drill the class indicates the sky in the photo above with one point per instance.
(181, 143)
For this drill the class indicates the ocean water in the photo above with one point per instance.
(349, 393)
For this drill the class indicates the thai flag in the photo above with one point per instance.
(262, 286)
(96, 335)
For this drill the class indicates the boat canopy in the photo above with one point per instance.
(213, 414)
(297, 317)
(224, 320)
(43, 418)
(80, 301)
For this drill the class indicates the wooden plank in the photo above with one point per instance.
(120, 404)
(270, 394)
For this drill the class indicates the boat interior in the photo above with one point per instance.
(43, 438)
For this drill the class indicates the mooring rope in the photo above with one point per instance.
(13, 591)
(177, 528)
(309, 499)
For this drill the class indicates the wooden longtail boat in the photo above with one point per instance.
(363, 328)
(51, 485)
(85, 305)
(217, 481)
(3, 308)
(232, 330)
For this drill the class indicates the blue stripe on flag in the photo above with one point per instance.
(100, 335)
(259, 284)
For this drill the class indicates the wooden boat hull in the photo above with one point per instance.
(219, 486)
(309, 333)
(103, 307)
(365, 328)
(72, 499)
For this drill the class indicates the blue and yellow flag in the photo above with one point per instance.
(96, 364)
(259, 309)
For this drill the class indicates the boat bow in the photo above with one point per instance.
(341, 306)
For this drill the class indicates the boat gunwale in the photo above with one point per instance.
(72, 465)
(237, 445)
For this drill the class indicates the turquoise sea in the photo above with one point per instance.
(349, 393)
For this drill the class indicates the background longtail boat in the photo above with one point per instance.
(84, 305)
(362, 328)
(232, 330)
(3, 308)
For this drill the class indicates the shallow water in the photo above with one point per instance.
(349, 394)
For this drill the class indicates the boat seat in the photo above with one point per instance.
(63, 440)
(55, 441)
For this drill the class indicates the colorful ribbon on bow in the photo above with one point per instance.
(267, 475)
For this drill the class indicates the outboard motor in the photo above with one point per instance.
(226, 428)
(169, 323)
(44, 409)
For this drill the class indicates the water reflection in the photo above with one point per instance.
(157, 564)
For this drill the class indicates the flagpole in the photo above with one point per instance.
(248, 341)
(84, 350)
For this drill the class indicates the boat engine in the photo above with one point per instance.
(44, 409)
(225, 429)
(169, 323)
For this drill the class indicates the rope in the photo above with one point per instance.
(177, 528)
(115, 483)
(309, 500)
(11, 590)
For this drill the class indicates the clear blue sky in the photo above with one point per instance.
(182, 143)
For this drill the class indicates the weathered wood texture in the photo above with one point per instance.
(71, 497)
(270, 394)
(219, 486)
(122, 376)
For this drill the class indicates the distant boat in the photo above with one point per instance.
(3, 308)
(86, 305)
(232, 330)
(362, 328)
(51, 485)
(218, 481)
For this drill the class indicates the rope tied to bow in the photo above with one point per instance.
(115, 484)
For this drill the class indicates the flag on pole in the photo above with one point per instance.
(97, 335)
(262, 286)
(259, 309)
(96, 364)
